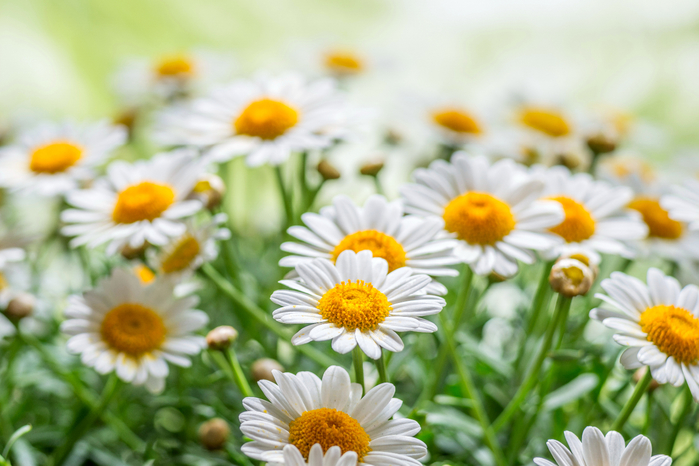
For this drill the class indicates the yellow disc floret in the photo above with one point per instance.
(133, 329)
(547, 121)
(343, 63)
(578, 224)
(54, 158)
(456, 120)
(354, 305)
(144, 201)
(181, 255)
(328, 427)
(266, 119)
(177, 66)
(380, 245)
(144, 273)
(674, 330)
(478, 218)
(660, 225)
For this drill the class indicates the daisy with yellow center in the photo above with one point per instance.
(52, 159)
(491, 210)
(456, 124)
(265, 119)
(596, 218)
(312, 417)
(659, 322)
(356, 301)
(134, 329)
(341, 63)
(135, 203)
(380, 227)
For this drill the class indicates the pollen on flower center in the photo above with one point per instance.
(456, 120)
(182, 255)
(176, 66)
(674, 330)
(578, 224)
(54, 158)
(660, 225)
(144, 201)
(133, 329)
(549, 122)
(380, 245)
(328, 427)
(354, 305)
(478, 218)
(266, 119)
(343, 63)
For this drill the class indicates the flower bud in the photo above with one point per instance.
(590, 260)
(371, 168)
(601, 143)
(570, 278)
(21, 306)
(393, 137)
(221, 337)
(209, 190)
(213, 434)
(327, 171)
(130, 253)
(262, 369)
(127, 118)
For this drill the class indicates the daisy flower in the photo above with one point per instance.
(266, 119)
(597, 449)
(356, 302)
(659, 322)
(54, 158)
(134, 329)
(490, 209)
(304, 411)
(683, 204)
(135, 203)
(455, 124)
(596, 217)
(333, 457)
(379, 227)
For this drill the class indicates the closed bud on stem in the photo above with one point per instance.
(210, 190)
(131, 253)
(20, 306)
(601, 143)
(213, 434)
(371, 168)
(570, 278)
(589, 260)
(327, 170)
(221, 337)
(262, 369)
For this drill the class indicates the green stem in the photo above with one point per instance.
(262, 317)
(628, 408)
(687, 406)
(562, 307)
(286, 198)
(358, 363)
(381, 367)
(377, 185)
(538, 303)
(238, 374)
(303, 183)
(469, 389)
(649, 414)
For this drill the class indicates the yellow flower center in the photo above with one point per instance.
(547, 121)
(343, 63)
(456, 120)
(478, 218)
(144, 274)
(574, 274)
(674, 330)
(578, 225)
(266, 119)
(143, 201)
(54, 158)
(175, 67)
(380, 245)
(182, 255)
(354, 306)
(328, 427)
(133, 329)
(660, 225)
(3, 281)
(581, 258)
(202, 186)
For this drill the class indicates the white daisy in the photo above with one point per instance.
(304, 411)
(379, 227)
(333, 457)
(266, 119)
(598, 449)
(454, 123)
(596, 217)
(491, 209)
(134, 329)
(135, 203)
(659, 322)
(356, 302)
(683, 204)
(54, 158)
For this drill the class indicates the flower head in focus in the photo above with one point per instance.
(134, 329)
(333, 457)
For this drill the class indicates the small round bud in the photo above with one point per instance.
(640, 373)
(393, 137)
(262, 369)
(495, 277)
(221, 337)
(127, 118)
(570, 278)
(130, 253)
(210, 190)
(590, 260)
(570, 160)
(21, 306)
(327, 171)
(371, 168)
(601, 143)
(213, 434)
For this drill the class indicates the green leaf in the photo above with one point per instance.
(18, 433)
(572, 391)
